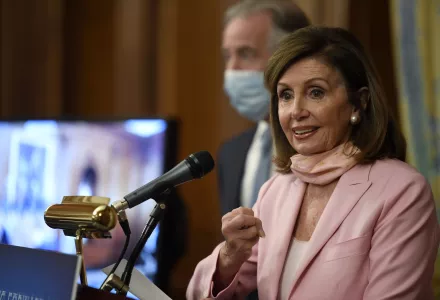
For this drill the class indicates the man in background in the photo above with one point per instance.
(253, 29)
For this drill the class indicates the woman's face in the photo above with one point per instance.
(313, 107)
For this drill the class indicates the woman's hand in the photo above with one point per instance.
(241, 231)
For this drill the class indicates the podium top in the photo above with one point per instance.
(89, 293)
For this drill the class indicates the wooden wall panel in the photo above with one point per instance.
(135, 57)
(166, 102)
(109, 58)
(326, 12)
(89, 52)
(31, 58)
(370, 22)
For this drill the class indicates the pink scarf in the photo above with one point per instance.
(323, 168)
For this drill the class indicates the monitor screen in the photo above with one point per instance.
(43, 160)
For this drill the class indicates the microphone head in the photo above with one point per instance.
(195, 166)
(201, 163)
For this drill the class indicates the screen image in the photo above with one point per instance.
(43, 160)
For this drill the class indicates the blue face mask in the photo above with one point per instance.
(247, 93)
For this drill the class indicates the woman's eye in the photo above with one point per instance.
(317, 93)
(285, 96)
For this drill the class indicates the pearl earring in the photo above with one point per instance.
(354, 119)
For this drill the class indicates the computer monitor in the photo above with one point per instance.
(43, 160)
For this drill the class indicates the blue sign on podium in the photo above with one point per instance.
(32, 274)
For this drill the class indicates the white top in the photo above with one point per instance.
(251, 165)
(294, 258)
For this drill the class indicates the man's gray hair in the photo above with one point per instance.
(286, 16)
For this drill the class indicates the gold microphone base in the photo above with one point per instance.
(79, 252)
(114, 282)
(82, 217)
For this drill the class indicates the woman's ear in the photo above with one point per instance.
(364, 97)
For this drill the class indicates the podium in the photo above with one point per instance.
(88, 293)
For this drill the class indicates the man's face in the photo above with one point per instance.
(245, 42)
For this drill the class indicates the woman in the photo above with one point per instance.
(345, 217)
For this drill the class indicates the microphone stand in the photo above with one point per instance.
(122, 284)
(79, 252)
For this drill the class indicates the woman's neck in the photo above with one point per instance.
(314, 202)
(316, 190)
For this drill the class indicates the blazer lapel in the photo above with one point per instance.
(347, 193)
(289, 213)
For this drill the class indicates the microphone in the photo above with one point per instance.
(91, 214)
(195, 166)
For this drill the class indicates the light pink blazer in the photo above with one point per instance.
(376, 239)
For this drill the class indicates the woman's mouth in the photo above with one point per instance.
(302, 133)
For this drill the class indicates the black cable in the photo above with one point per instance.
(123, 221)
(148, 229)
(155, 216)
(121, 256)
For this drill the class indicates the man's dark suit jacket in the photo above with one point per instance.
(231, 161)
(230, 169)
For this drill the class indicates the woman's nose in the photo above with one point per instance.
(298, 110)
